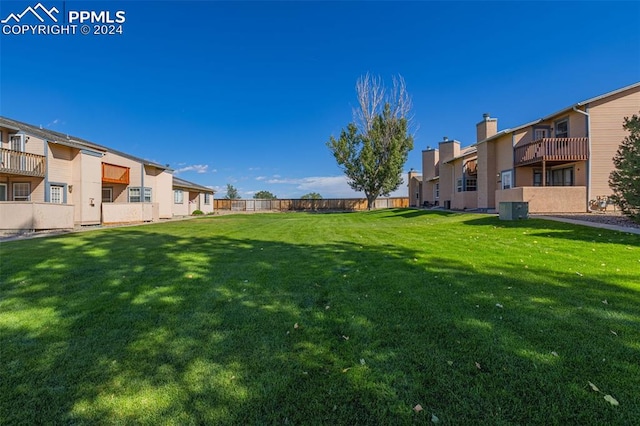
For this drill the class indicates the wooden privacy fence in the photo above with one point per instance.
(330, 204)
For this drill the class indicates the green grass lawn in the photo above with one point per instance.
(298, 318)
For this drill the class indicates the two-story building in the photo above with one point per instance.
(50, 180)
(558, 163)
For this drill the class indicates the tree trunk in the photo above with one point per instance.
(370, 201)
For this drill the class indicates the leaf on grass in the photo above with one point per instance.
(362, 361)
(478, 366)
(344, 370)
(579, 274)
(327, 307)
(611, 400)
(605, 302)
(554, 353)
(295, 325)
(434, 418)
(613, 332)
(450, 362)
(418, 408)
(594, 387)
(499, 305)
(345, 337)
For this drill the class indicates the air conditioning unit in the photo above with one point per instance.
(513, 210)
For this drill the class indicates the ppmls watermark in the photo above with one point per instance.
(40, 20)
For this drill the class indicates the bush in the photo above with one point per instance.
(625, 180)
(197, 213)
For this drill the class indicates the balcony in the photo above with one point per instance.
(552, 150)
(115, 174)
(21, 163)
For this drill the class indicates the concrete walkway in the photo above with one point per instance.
(608, 226)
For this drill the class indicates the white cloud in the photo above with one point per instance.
(261, 178)
(198, 168)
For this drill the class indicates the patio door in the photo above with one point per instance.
(16, 159)
(540, 134)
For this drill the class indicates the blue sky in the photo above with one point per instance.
(248, 93)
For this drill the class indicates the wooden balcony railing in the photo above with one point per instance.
(552, 149)
(21, 163)
(115, 174)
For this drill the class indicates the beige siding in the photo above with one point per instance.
(181, 209)
(60, 166)
(34, 145)
(607, 118)
(164, 194)
(486, 175)
(87, 189)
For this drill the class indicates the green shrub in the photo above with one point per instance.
(197, 213)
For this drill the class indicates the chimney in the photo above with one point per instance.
(449, 148)
(486, 128)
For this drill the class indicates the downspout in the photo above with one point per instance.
(142, 183)
(47, 191)
(513, 159)
(586, 113)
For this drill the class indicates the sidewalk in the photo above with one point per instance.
(608, 226)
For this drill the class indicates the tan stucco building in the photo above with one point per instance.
(49, 180)
(559, 163)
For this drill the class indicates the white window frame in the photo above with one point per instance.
(178, 196)
(436, 190)
(207, 198)
(134, 198)
(559, 122)
(459, 185)
(506, 179)
(56, 198)
(4, 185)
(20, 139)
(138, 198)
(21, 197)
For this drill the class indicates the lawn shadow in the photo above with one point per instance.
(144, 325)
(410, 213)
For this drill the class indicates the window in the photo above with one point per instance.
(506, 178)
(555, 177)
(207, 198)
(562, 128)
(3, 192)
(471, 184)
(135, 195)
(459, 185)
(560, 177)
(537, 178)
(437, 191)
(540, 133)
(22, 191)
(56, 194)
(178, 196)
(107, 195)
(17, 142)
